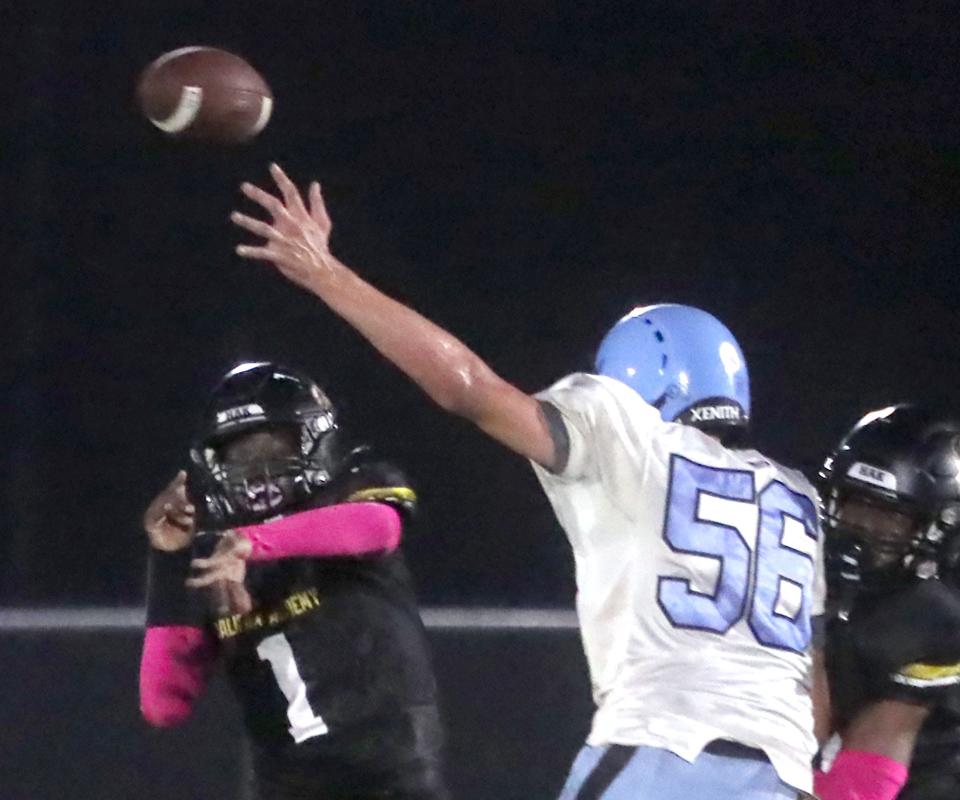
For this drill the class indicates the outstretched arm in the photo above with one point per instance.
(297, 244)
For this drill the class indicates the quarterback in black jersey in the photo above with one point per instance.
(891, 494)
(297, 587)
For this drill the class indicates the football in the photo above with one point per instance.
(205, 93)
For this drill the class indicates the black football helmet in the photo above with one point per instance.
(263, 396)
(903, 461)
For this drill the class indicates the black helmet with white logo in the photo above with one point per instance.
(264, 396)
(891, 498)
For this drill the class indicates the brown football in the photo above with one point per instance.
(205, 93)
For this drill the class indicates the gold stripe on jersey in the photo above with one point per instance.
(920, 674)
(399, 494)
(295, 605)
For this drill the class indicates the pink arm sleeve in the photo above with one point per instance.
(347, 529)
(174, 668)
(857, 775)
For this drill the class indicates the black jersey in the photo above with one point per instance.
(882, 634)
(332, 668)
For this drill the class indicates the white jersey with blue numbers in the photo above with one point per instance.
(698, 570)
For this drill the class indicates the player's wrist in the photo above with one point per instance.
(157, 545)
(242, 540)
(330, 276)
(321, 273)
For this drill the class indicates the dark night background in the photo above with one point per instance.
(523, 173)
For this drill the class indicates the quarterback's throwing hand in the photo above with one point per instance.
(224, 573)
(297, 237)
(228, 562)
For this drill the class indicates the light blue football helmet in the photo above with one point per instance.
(681, 360)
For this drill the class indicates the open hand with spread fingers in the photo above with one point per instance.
(227, 563)
(224, 573)
(297, 237)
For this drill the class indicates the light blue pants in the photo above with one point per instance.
(614, 772)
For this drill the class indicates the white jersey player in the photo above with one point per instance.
(697, 564)
(696, 579)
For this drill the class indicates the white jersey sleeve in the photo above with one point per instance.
(609, 427)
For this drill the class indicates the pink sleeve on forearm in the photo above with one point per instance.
(174, 667)
(348, 529)
(857, 775)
